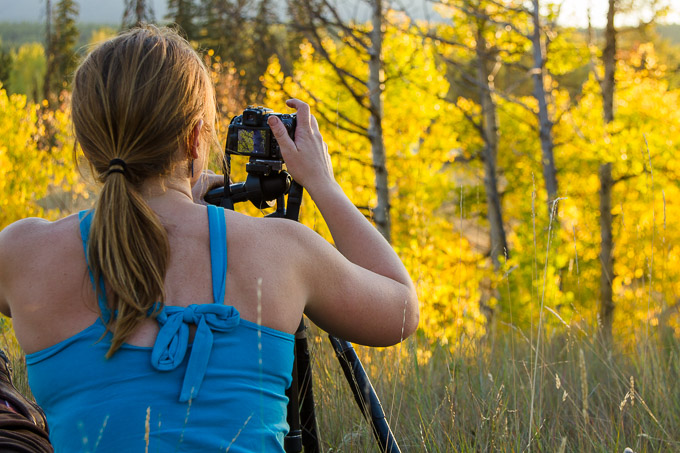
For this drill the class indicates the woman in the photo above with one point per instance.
(156, 322)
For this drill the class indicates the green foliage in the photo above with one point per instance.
(137, 12)
(61, 56)
(5, 64)
(27, 74)
(224, 28)
(244, 35)
(14, 34)
(183, 13)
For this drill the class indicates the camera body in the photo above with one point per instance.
(267, 182)
(250, 135)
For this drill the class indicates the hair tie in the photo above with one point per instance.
(119, 163)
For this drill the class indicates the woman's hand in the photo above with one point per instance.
(207, 181)
(307, 157)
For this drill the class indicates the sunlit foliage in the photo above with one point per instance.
(439, 226)
(436, 176)
(34, 163)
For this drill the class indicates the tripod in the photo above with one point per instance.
(261, 189)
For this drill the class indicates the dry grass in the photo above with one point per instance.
(479, 399)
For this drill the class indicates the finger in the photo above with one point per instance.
(302, 111)
(208, 175)
(213, 180)
(280, 133)
(315, 124)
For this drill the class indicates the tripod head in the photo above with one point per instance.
(262, 190)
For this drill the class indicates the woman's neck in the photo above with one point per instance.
(160, 191)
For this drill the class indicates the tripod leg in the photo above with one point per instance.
(301, 412)
(310, 435)
(292, 443)
(364, 394)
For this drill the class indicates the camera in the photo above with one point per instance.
(267, 182)
(250, 135)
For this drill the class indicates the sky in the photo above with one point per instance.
(104, 11)
(574, 12)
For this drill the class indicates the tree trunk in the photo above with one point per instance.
(381, 213)
(606, 259)
(605, 174)
(499, 246)
(140, 12)
(136, 13)
(545, 124)
(609, 60)
(308, 17)
(49, 52)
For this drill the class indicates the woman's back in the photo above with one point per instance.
(52, 293)
(226, 390)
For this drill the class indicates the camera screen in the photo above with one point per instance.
(252, 141)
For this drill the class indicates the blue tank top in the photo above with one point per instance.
(225, 391)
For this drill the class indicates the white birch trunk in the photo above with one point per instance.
(381, 213)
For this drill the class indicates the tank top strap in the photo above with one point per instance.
(218, 251)
(85, 218)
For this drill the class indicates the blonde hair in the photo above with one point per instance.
(138, 98)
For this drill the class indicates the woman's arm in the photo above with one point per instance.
(363, 293)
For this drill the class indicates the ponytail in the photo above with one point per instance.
(129, 249)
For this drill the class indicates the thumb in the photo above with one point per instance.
(279, 131)
(286, 144)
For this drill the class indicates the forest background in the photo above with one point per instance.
(524, 170)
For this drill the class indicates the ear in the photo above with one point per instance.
(194, 140)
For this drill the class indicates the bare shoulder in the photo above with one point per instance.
(36, 242)
(18, 235)
(29, 247)
(33, 233)
(280, 230)
(281, 241)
